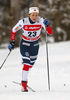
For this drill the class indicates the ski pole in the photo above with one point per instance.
(47, 62)
(5, 60)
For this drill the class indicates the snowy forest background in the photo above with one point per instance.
(57, 11)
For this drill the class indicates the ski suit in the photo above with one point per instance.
(29, 45)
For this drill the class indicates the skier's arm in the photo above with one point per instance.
(46, 26)
(17, 27)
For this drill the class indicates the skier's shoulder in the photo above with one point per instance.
(20, 21)
(40, 18)
(24, 19)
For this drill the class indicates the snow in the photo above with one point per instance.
(59, 65)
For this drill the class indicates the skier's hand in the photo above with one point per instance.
(11, 45)
(48, 28)
(46, 22)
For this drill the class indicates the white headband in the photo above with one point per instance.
(33, 9)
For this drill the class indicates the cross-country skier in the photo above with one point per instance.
(29, 46)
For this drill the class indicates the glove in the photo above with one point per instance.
(11, 45)
(46, 22)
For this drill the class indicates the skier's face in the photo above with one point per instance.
(34, 16)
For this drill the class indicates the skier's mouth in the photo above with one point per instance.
(34, 19)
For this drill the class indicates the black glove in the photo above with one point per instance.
(11, 45)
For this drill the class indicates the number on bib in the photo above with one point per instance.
(32, 34)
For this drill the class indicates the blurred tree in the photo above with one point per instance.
(15, 11)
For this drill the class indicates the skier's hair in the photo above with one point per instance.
(33, 6)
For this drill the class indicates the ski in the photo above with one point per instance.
(27, 86)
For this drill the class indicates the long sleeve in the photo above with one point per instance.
(17, 27)
(48, 29)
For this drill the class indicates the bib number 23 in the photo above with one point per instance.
(32, 34)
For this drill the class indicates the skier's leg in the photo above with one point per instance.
(24, 50)
(34, 53)
(25, 71)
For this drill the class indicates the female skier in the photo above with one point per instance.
(29, 46)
